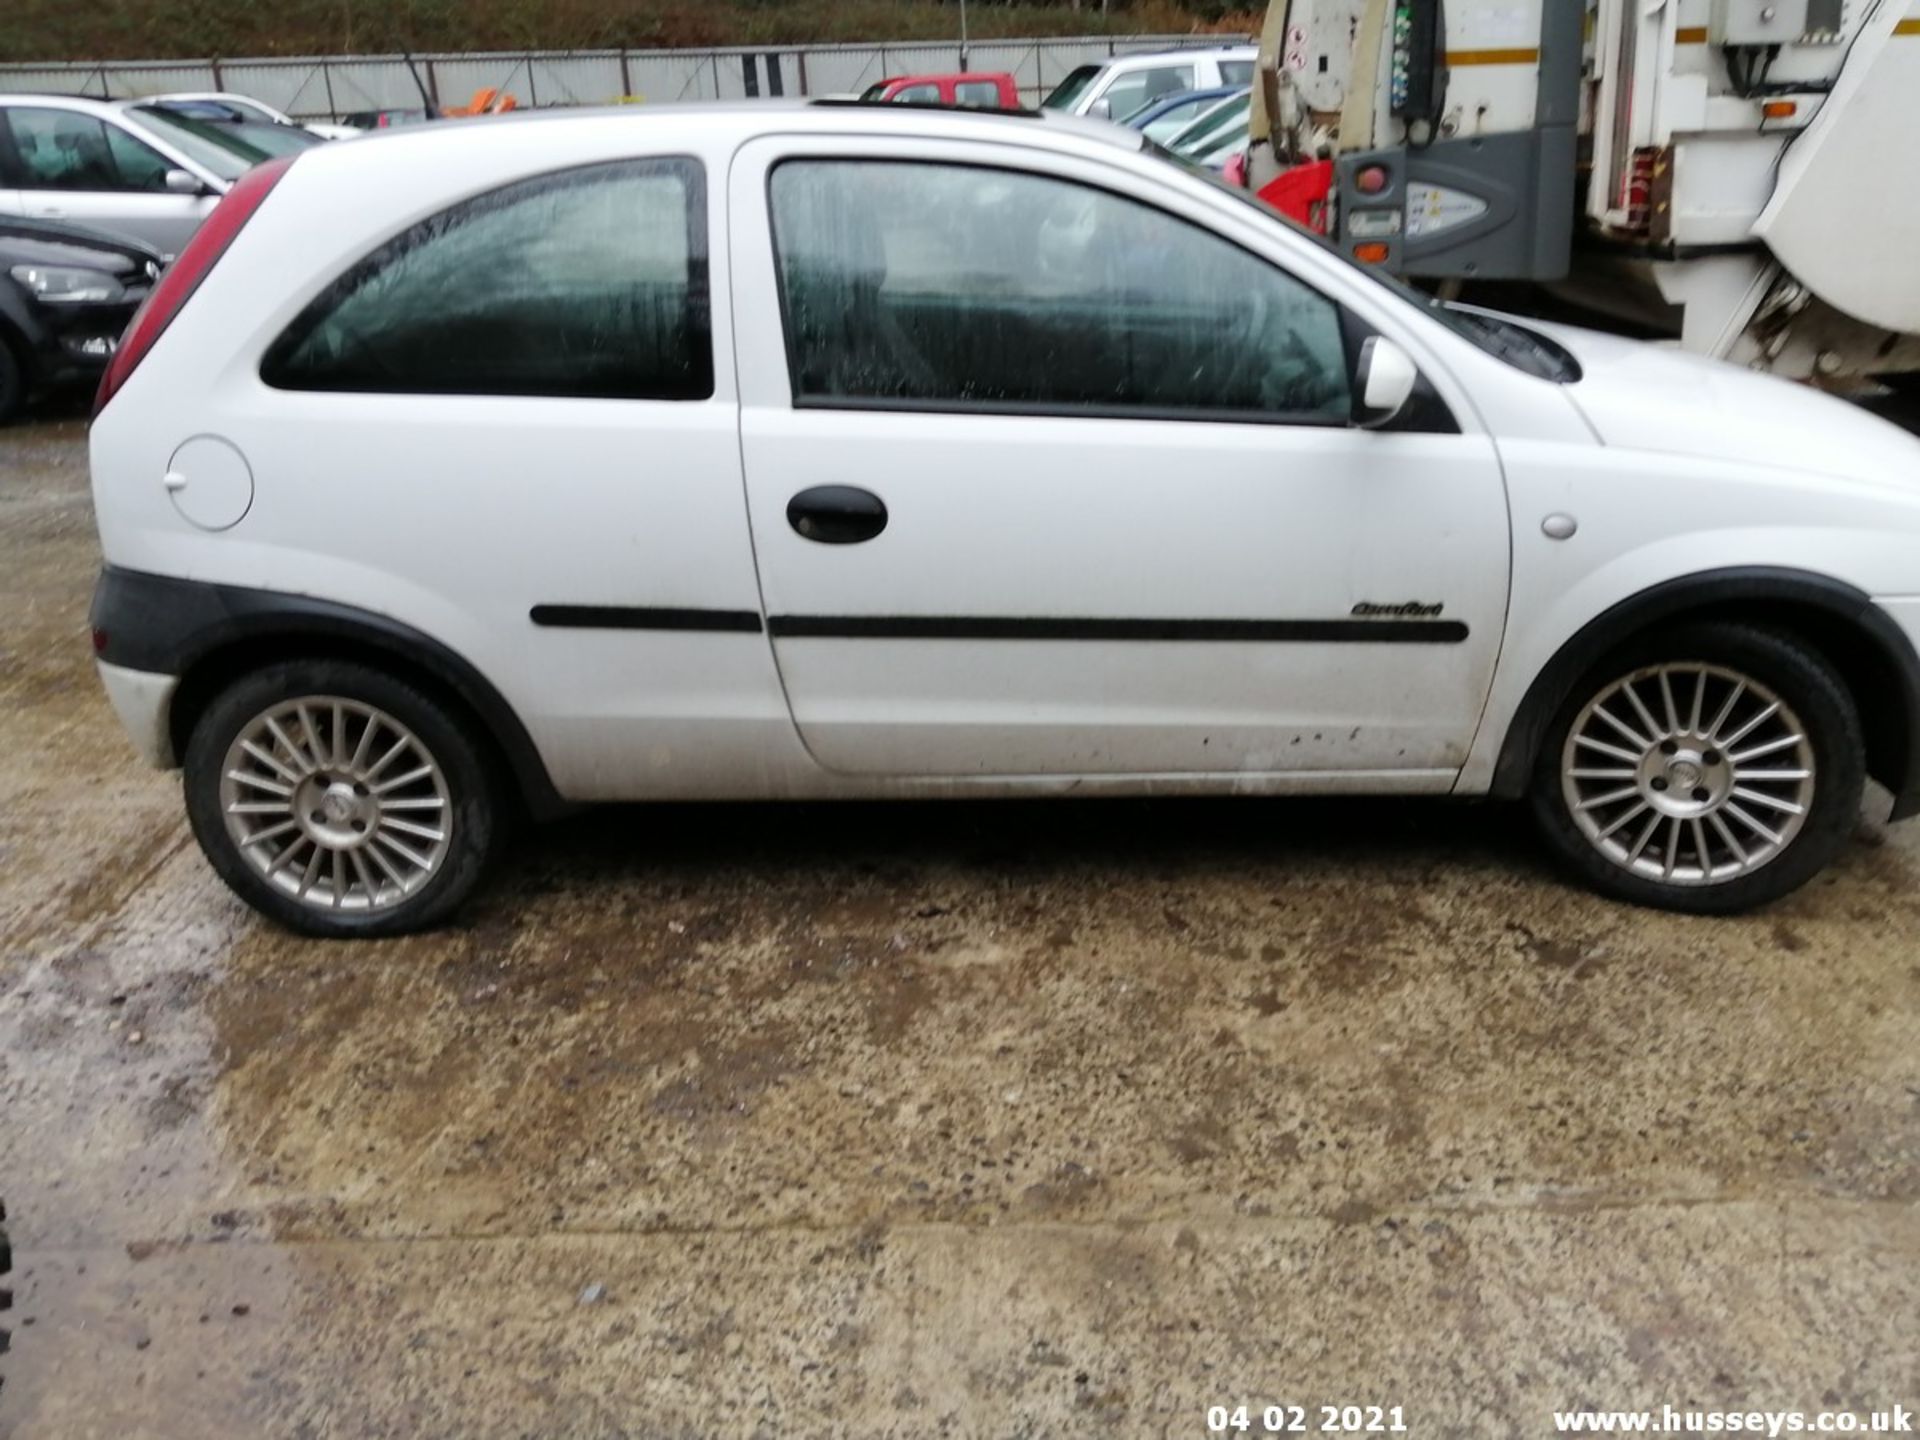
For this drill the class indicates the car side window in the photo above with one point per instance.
(141, 166)
(1137, 88)
(1236, 72)
(983, 94)
(65, 150)
(587, 282)
(917, 95)
(920, 285)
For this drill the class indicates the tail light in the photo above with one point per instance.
(180, 279)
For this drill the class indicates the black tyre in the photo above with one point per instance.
(341, 801)
(13, 383)
(1707, 769)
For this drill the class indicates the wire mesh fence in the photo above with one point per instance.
(324, 87)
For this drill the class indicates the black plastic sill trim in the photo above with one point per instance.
(1014, 627)
(635, 617)
(1005, 627)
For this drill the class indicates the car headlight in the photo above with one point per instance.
(64, 285)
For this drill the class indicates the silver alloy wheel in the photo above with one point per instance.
(1689, 774)
(336, 803)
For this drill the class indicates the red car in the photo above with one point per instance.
(979, 89)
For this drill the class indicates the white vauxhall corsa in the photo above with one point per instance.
(830, 451)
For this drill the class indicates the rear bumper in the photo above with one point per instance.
(143, 700)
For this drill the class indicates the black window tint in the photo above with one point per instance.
(590, 282)
(964, 287)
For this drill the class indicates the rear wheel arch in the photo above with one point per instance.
(1838, 620)
(395, 651)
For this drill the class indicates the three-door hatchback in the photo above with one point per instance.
(825, 451)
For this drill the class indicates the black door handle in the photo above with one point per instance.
(837, 514)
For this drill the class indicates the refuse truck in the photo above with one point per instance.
(1741, 174)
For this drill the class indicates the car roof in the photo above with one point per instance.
(86, 104)
(745, 119)
(1181, 52)
(917, 76)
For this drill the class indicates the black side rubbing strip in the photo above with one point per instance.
(1014, 627)
(636, 617)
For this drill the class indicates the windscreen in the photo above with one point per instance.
(226, 156)
(1070, 89)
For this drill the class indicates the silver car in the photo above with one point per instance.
(116, 165)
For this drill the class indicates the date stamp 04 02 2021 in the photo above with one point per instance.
(1306, 1420)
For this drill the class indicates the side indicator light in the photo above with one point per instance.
(1780, 109)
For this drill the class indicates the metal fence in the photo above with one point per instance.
(323, 87)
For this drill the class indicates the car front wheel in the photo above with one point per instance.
(339, 800)
(1710, 769)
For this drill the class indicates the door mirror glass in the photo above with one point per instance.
(183, 182)
(1383, 381)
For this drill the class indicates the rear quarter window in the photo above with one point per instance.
(588, 282)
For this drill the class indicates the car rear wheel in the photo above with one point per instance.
(1712, 769)
(341, 801)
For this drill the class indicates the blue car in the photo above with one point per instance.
(1166, 115)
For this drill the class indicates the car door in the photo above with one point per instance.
(1129, 90)
(77, 167)
(1127, 527)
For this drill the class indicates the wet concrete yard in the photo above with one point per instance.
(971, 1120)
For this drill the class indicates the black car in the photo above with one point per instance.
(66, 293)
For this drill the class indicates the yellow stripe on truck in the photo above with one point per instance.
(1697, 34)
(1493, 57)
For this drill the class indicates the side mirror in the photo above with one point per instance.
(182, 182)
(1101, 109)
(1384, 382)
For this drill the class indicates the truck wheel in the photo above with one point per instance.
(1709, 769)
(341, 801)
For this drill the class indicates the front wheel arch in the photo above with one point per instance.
(1838, 620)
